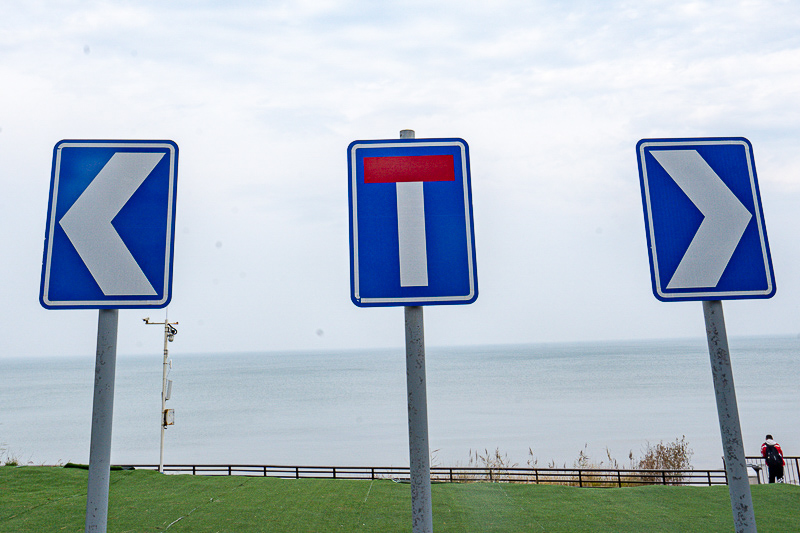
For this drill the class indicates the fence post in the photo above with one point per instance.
(619, 479)
(580, 479)
(297, 472)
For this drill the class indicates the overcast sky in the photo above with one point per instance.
(263, 99)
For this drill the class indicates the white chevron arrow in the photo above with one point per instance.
(724, 222)
(88, 224)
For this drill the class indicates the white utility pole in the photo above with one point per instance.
(166, 414)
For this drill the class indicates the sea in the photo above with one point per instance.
(537, 404)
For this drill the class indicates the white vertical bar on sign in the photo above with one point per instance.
(411, 234)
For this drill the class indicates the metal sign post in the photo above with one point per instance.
(707, 241)
(102, 416)
(729, 426)
(108, 245)
(418, 447)
(412, 244)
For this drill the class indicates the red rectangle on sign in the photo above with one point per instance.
(409, 168)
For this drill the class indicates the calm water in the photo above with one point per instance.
(349, 408)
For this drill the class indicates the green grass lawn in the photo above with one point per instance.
(54, 499)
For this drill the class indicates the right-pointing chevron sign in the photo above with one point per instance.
(705, 226)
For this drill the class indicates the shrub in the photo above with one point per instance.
(494, 465)
(9, 460)
(670, 456)
(652, 468)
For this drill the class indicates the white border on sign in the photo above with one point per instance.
(354, 196)
(52, 217)
(757, 216)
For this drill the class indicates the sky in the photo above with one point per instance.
(263, 98)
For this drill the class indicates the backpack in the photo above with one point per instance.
(772, 456)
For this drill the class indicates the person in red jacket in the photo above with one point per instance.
(773, 455)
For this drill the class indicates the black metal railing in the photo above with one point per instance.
(791, 470)
(579, 477)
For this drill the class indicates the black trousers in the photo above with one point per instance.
(775, 472)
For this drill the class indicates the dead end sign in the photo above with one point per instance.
(411, 228)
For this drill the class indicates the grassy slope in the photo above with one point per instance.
(54, 499)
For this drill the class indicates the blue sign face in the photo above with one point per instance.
(110, 220)
(705, 226)
(411, 230)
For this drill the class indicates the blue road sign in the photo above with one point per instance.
(411, 230)
(705, 227)
(110, 225)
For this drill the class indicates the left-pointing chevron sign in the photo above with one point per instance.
(705, 226)
(110, 225)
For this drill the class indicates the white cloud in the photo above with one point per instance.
(263, 99)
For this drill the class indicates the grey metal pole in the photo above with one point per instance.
(102, 415)
(744, 519)
(419, 450)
